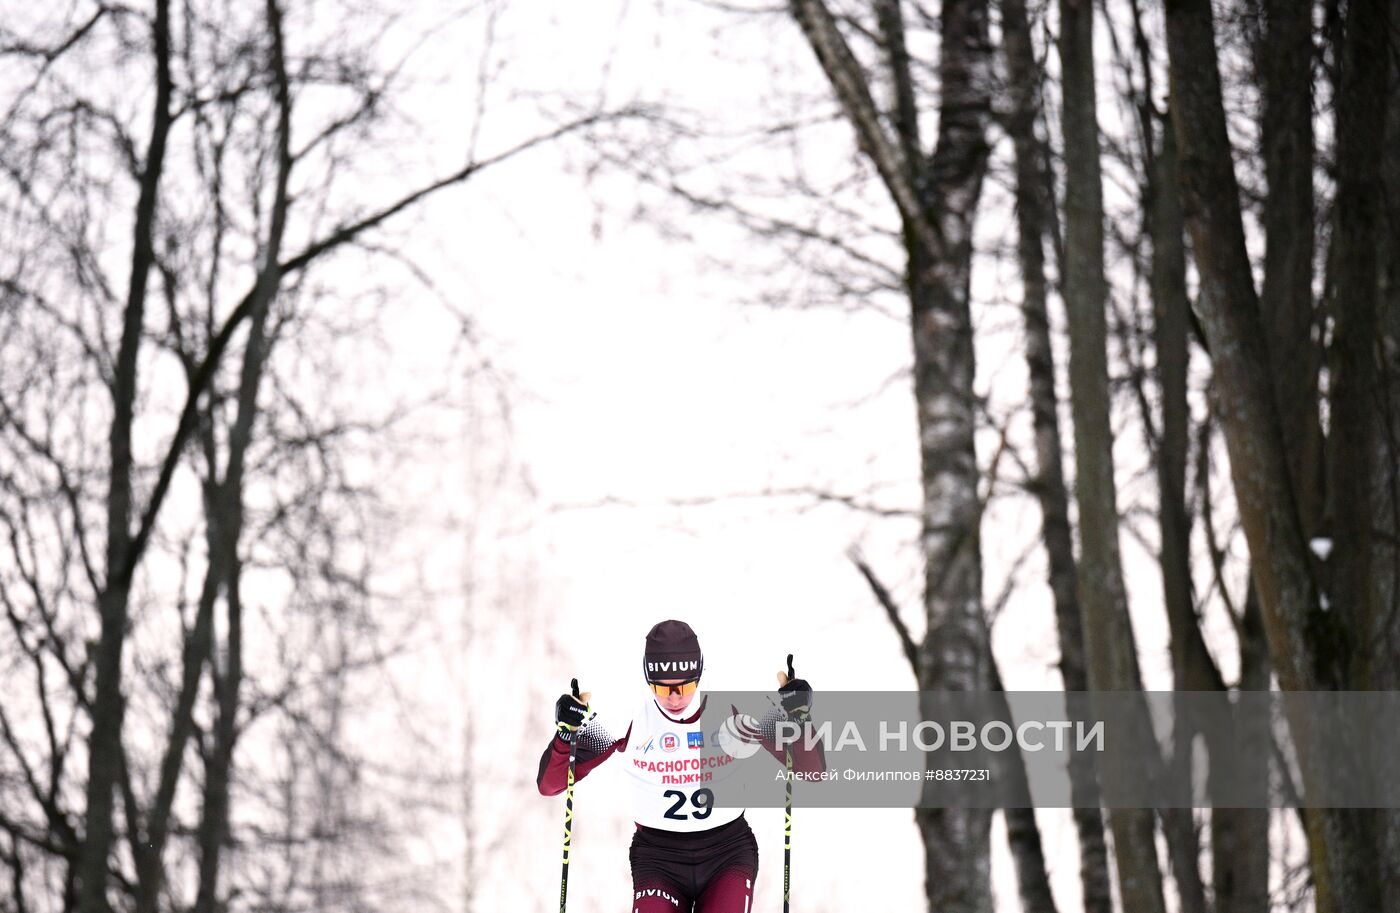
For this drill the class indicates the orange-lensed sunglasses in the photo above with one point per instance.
(684, 689)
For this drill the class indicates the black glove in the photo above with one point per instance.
(569, 713)
(795, 693)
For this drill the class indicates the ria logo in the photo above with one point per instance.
(670, 742)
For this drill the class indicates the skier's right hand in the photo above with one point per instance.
(569, 712)
(796, 694)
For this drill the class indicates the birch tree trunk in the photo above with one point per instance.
(936, 197)
(954, 653)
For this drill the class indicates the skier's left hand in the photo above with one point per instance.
(794, 692)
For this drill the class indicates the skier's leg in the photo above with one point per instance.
(657, 895)
(659, 884)
(725, 881)
(728, 892)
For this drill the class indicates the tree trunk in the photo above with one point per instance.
(1192, 666)
(1285, 74)
(1193, 669)
(1305, 644)
(1385, 661)
(150, 850)
(1032, 219)
(936, 197)
(104, 742)
(1354, 395)
(214, 825)
(954, 653)
(1240, 836)
(1022, 832)
(228, 509)
(1112, 661)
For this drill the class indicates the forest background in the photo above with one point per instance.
(368, 371)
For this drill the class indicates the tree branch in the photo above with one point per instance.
(207, 367)
(882, 596)
(853, 94)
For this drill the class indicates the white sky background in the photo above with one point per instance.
(638, 373)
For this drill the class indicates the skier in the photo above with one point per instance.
(687, 855)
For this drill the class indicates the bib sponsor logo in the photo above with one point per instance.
(684, 763)
(670, 742)
(694, 740)
(651, 743)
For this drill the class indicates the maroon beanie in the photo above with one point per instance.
(672, 652)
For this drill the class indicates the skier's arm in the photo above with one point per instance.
(595, 745)
(807, 754)
(794, 707)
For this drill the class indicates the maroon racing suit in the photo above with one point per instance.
(708, 871)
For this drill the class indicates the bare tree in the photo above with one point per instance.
(1035, 208)
(1110, 648)
(936, 196)
(214, 465)
(1308, 645)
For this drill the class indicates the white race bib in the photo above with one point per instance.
(673, 767)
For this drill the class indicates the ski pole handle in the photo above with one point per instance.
(789, 675)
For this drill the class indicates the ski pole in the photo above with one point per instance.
(569, 802)
(787, 817)
(787, 837)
